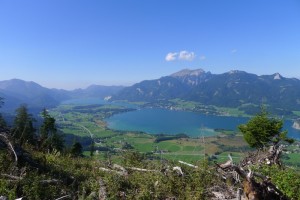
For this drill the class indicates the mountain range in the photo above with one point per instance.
(15, 92)
(231, 89)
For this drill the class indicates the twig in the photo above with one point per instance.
(63, 197)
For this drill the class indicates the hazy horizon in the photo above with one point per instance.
(87, 85)
(73, 44)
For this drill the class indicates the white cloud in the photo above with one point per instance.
(185, 55)
(171, 56)
(182, 55)
(202, 57)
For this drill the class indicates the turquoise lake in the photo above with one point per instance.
(155, 121)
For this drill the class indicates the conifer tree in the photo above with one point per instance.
(50, 139)
(23, 130)
(2, 121)
(76, 149)
(262, 131)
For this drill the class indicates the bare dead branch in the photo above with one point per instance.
(50, 182)
(264, 189)
(119, 167)
(64, 197)
(142, 170)
(188, 164)
(114, 171)
(11, 177)
(10, 146)
(178, 170)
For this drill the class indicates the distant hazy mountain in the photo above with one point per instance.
(16, 92)
(231, 89)
(97, 91)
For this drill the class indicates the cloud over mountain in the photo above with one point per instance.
(171, 56)
(182, 55)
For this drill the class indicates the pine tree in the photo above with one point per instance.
(50, 139)
(92, 149)
(262, 131)
(23, 130)
(76, 149)
(2, 121)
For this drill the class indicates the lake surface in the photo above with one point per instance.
(156, 121)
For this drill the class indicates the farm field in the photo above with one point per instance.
(87, 121)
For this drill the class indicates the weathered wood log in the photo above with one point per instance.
(11, 177)
(251, 187)
(269, 156)
(121, 168)
(188, 164)
(178, 170)
(102, 190)
(114, 171)
(142, 170)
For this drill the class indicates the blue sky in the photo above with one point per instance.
(74, 43)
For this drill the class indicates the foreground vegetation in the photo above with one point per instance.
(128, 165)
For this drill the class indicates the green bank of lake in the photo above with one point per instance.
(156, 120)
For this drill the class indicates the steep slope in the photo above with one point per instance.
(97, 91)
(192, 77)
(231, 89)
(163, 88)
(177, 85)
(16, 92)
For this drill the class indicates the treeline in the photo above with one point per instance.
(254, 109)
(163, 137)
(39, 134)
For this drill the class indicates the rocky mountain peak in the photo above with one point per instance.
(188, 72)
(236, 72)
(277, 76)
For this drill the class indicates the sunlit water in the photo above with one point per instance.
(155, 121)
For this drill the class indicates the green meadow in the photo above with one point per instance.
(88, 121)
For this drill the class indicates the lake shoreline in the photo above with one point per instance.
(161, 120)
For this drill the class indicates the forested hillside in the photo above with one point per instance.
(231, 89)
(37, 97)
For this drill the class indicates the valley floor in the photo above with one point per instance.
(87, 125)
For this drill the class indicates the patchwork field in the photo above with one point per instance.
(88, 122)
